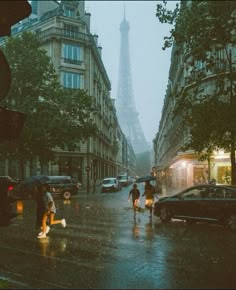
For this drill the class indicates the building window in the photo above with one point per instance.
(72, 54)
(69, 12)
(72, 80)
(71, 31)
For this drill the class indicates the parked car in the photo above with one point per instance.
(201, 203)
(7, 184)
(110, 184)
(63, 186)
(59, 186)
(123, 179)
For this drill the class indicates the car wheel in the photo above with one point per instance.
(231, 222)
(67, 194)
(165, 215)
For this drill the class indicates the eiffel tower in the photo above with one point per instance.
(125, 105)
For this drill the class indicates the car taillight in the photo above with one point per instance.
(10, 188)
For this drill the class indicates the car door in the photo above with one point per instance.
(56, 186)
(189, 204)
(213, 203)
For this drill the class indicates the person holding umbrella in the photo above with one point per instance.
(149, 193)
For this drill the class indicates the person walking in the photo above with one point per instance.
(149, 193)
(49, 211)
(40, 208)
(135, 197)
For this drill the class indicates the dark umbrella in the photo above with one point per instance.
(145, 178)
(36, 180)
(27, 185)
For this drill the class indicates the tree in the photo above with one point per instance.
(205, 31)
(55, 116)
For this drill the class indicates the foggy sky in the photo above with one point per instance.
(149, 63)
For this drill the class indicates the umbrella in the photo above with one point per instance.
(145, 178)
(36, 180)
(29, 183)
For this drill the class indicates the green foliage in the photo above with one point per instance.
(78, 109)
(55, 116)
(199, 25)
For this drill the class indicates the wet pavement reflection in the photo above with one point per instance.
(105, 246)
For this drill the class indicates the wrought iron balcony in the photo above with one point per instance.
(54, 32)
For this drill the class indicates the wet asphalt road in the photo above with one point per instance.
(104, 247)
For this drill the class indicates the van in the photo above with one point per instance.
(110, 184)
(123, 179)
(62, 186)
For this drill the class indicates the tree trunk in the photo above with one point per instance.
(233, 165)
(21, 169)
(209, 167)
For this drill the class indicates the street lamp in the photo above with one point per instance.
(87, 166)
(88, 135)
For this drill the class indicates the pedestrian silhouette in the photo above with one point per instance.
(135, 193)
(149, 192)
(49, 211)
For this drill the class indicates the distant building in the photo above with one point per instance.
(127, 113)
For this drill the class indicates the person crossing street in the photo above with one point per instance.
(49, 212)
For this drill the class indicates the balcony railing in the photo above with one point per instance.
(60, 33)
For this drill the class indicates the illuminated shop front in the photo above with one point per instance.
(187, 170)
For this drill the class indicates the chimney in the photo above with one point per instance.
(95, 37)
(100, 50)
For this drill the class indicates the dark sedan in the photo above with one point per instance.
(204, 203)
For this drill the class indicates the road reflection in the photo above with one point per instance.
(51, 249)
(149, 230)
(136, 228)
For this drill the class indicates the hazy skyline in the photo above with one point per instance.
(149, 63)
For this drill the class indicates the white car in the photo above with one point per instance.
(110, 184)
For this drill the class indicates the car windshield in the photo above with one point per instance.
(60, 181)
(122, 177)
(108, 181)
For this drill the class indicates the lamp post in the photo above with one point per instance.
(127, 163)
(87, 166)
(88, 135)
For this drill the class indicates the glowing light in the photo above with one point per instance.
(183, 164)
